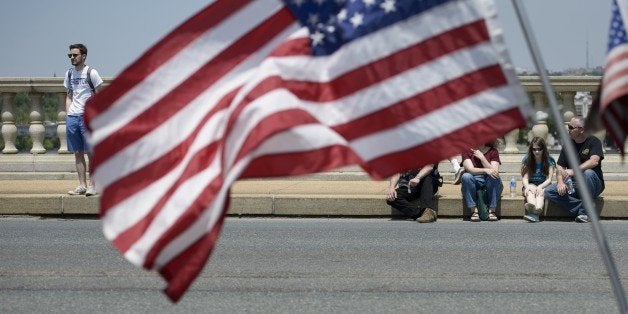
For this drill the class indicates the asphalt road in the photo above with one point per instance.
(322, 265)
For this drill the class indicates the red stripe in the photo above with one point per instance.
(293, 47)
(181, 271)
(448, 145)
(423, 103)
(134, 182)
(303, 162)
(164, 50)
(192, 87)
(199, 163)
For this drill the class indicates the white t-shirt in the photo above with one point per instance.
(80, 88)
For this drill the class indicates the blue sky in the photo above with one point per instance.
(35, 33)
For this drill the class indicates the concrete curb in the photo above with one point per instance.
(612, 207)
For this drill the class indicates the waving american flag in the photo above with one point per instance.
(242, 90)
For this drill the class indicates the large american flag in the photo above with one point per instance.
(241, 90)
(612, 105)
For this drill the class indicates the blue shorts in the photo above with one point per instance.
(77, 132)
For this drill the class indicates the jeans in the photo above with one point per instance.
(471, 183)
(572, 202)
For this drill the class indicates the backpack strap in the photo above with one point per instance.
(89, 79)
(70, 79)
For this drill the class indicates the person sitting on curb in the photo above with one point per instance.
(421, 184)
(481, 170)
(537, 170)
(590, 155)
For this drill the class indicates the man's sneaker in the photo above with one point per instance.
(80, 190)
(458, 176)
(429, 215)
(90, 191)
(531, 214)
(582, 218)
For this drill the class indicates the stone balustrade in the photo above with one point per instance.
(565, 87)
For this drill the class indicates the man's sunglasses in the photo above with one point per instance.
(73, 55)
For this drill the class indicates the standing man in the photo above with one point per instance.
(590, 155)
(81, 82)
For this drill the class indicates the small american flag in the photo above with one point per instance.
(241, 90)
(612, 105)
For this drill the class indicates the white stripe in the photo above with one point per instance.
(181, 66)
(435, 124)
(616, 84)
(359, 104)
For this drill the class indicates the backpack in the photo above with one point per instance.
(89, 79)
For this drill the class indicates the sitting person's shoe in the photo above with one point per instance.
(531, 214)
(475, 217)
(80, 190)
(492, 216)
(582, 218)
(458, 175)
(90, 191)
(429, 215)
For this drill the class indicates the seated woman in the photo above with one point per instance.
(421, 184)
(481, 170)
(537, 170)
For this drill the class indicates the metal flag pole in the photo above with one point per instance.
(573, 161)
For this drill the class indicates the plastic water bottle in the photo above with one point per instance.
(570, 187)
(513, 187)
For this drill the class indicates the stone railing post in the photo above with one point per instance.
(601, 134)
(568, 101)
(61, 127)
(540, 128)
(9, 130)
(511, 142)
(36, 129)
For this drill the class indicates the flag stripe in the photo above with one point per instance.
(450, 143)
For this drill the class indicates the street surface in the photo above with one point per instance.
(271, 265)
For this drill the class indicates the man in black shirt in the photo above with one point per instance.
(421, 184)
(590, 154)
